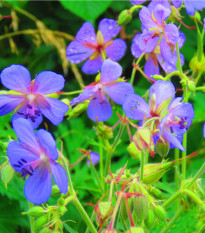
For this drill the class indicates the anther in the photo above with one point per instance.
(29, 106)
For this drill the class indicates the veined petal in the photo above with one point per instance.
(92, 66)
(135, 49)
(172, 32)
(181, 39)
(164, 3)
(161, 13)
(109, 29)
(47, 143)
(177, 3)
(148, 41)
(183, 110)
(9, 102)
(99, 108)
(135, 107)
(189, 7)
(119, 91)
(151, 68)
(86, 34)
(55, 111)
(25, 133)
(17, 78)
(173, 140)
(146, 18)
(87, 93)
(165, 49)
(162, 90)
(38, 187)
(116, 50)
(18, 153)
(110, 71)
(60, 177)
(76, 52)
(48, 82)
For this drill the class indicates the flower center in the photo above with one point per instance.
(31, 97)
(44, 158)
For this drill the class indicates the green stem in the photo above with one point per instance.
(175, 73)
(142, 160)
(150, 120)
(101, 155)
(76, 202)
(134, 70)
(133, 8)
(146, 156)
(184, 154)
(92, 218)
(200, 88)
(96, 174)
(176, 173)
(176, 216)
(198, 174)
(70, 93)
(179, 66)
(30, 205)
(111, 190)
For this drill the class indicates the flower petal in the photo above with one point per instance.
(17, 152)
(116, 50)
(48, 82)
(136, 51)
(76, 52)
(177, 3)
(38, 187)
(55, 111)
(47, 143)
(110, 71)
(119, 91)
(164, 3)
(204, 130)
(165, 49)
(109, 29)
(181, 39)
(99, 108)
(92, 66)
(8, 103)
(87, 93)
(146, 18)
(17, 78)
(148, 41)
(151, 68)
(137, 2)
(173, 140)
(172, 32)
(86, 34)
(189, 7)
(60, 177)
(135, 107)
(26, 135)
(162, 90)
(161, 13)
(95, 158)
(184, 110)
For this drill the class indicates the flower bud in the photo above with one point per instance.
(105, 132)
(61, 201)
(7, 173)
(160, 213)
(191, 86)
(197, 66)
(140, 207)
(154, 172)
(175, 15)
(40, 222)
(76, 111)
(150, 219)
(162, 147)
(133, 151)
(196, 16)
(156, 193)
(55, 190)
(36, 211)
(105, 208)
(62, 210)
(135, 230)
(124, 17)
(46, 230)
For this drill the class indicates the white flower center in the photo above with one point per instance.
(31, 97)
(43, 158)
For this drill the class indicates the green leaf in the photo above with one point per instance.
(7, 173)
(88, 10)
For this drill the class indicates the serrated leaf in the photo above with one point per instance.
(88, 10)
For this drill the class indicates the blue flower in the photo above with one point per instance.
(32, 97)
(99, 108)
(95, 158)
(35, 155)
(172, 118)
(96, 48)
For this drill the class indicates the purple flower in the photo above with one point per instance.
(95, 158)
(96, 48)
(99, 108)
(157, 32)
(190, 5)
(172, 118)
(35, 155)
(32, 97)
(154, 58)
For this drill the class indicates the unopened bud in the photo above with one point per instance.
(105, 132)
(76, 111)
(196, 16)
(191, 86)
(36, 211)
(61, 201)
(160, 213)
(55, 190)
(175, 15)
(149, 221)
(197, 66)
(134, 151)
(7, 173)
(40, 222)
(46, 230)
(124, 17)
(156, 193)
(162, 147)
(135, 230)
(140, 207)
(105, 208)
(62, 210)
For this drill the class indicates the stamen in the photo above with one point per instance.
(29, 106)
(16, 165)
(23, 160)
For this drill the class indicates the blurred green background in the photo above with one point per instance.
(36, 36)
